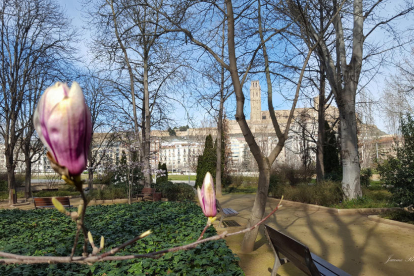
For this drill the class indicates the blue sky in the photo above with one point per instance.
(374, 88)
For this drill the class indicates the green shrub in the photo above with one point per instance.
(365, 176)
(243, 181)
(162, 176)
(5, 195)
(365, 201)
(18, 178)
(3, 186)
(276, 185)
(108, 192)
(50, 233)
(399, 215)
(292, 175)
(104, 178)
(398, 172)
(206, 162)
(176, 191)
(325, 193)
(56, 193)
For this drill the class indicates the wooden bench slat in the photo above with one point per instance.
(299, 255)
(225, 212)
(327, 266)
(46, 202)
(146, 192)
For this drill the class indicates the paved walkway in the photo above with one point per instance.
(353, 243)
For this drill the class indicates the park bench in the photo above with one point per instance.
(225, 212)
(298, 254)
(46, 202)
(146, 194)
(46, 190)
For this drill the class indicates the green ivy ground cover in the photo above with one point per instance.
(48, 232)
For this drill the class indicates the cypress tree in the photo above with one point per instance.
(158, 180)
(163, 178)
(207, 163)
(164, 167)
(331, 154)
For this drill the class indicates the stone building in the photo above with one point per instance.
(180, 152)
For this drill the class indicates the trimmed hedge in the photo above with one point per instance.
(48, 232)
(176, 191)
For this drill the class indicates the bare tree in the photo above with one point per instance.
(357, 21)
(30, 144)
(233, 19)
(140, 50)
(104, 131)
(30, 31)
(398, 96)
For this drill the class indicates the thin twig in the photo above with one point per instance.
(85, 232)
(114, 250)
(204, 230)
(76, 241)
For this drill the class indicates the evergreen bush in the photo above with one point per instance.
(398, 172)
(162, 177)
(207, 162)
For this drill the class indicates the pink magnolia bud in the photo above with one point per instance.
(63, 122)
(207, 196)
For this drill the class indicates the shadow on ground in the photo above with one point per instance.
(353, 243)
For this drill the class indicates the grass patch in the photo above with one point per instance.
(399, 215)
(48, 232)
(5, 195)
(240, 190)
(329, 194)
(181, 177)
(372, 198)
(56, 193)
(108, 192)
(240, 184)
(376, 185)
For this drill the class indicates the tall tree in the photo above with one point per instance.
(130, 40)
(207, 161)
(357, 21)
(398, 96)
(236, 51)
(30, 145)
(104, 132)
(30, 32)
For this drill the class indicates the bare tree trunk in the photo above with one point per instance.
(130, 72)
(28, 176)
(146, 132)
(258, 207)
(320, 168)
(220, 120)
(10, 178)
(90, 179)
(219, 144)
(349, 150)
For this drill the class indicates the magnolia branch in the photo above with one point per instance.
(107, 256)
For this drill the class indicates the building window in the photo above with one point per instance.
(264, 117)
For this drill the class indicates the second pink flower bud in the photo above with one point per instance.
(207, 196)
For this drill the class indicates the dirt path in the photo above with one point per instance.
(353, 243)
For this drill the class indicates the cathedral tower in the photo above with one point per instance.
(255, 101)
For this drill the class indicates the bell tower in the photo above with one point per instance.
(255, 101)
